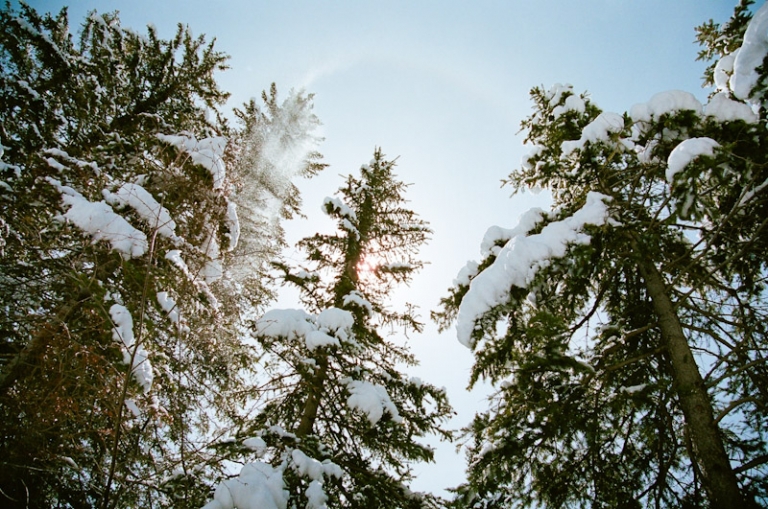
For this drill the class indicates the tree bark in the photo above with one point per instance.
(718, 477)
(347, 282)
(312, 404)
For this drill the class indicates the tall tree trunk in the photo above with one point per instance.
(718, 477)
(312, 404)
(347, 282)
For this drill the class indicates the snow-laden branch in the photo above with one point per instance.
(521, 258)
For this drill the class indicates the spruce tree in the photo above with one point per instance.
(119, 353)
(340, 420)
(624, 331)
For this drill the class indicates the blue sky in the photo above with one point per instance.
(444, 86)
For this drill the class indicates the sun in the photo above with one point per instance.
(366, 268)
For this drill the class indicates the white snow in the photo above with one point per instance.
(371, 399)
(316, 497)
(339, 207)
(287, 323)
(312, 468)
(600, 129)
(686, 152)
(259, 486)
(496, 235)
(556, 91)
(132, 407)
(315, 470)
(750, 55)
(256, 444)
(466, 274)
(330, 327)
(53, 163)
(355, 297)
(347, 225)
(336, 320)
(520, 259)
(723, 71)
(207, 153)
(142, 201)
(174, 256)
(213, 268)
(233, 224)
(663, 103)
(318, 338)
(25, 85)
(397, 266)
(535, 152)
(725, 109)
(5, 166)
(122, 332)
(748, 195)
(633, 389)
(572, 103)
(169, 306)
(101, 222)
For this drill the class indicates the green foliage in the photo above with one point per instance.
(587, 410)
(97, 122)
(310, 387)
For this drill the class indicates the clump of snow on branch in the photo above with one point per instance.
(256, 444)
(140, 200)
(466, 274)
(496, 236)
(751, 55)
(494, 240)
(329, 327)
(529, 159)
(318, 338)
(168, 304)
(98, 220)
(134, 355)
(233, 225)
(316, 497)
(572, 103)
(723, 71)
(336, 207)
(338, 321)
(688, 150)
(259, 486)
(600, 129)
(665, 103)
(314, 469)
(371, 399)
(725, 109)
(521, 258)
(355, 297)
(285, 323)
(207, 153)
(556, 92)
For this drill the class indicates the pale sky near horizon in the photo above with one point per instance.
(443, 84)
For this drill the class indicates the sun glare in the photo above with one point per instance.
(367, 267)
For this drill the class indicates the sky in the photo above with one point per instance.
(442, 85)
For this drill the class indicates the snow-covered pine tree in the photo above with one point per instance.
(625, 331)
(119, 349)
(340, 420)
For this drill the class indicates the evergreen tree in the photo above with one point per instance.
(339, 422)
(624, 332)
(119, 353)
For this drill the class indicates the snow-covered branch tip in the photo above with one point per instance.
(517, 263)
